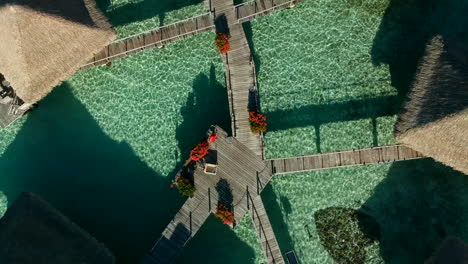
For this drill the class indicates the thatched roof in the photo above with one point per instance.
(452, 250)
(33, 232)
(435, 118)
(43, 42)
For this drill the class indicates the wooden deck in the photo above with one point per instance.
(9, 113)
(265, 232)
(343, 159)
(236, 175)
(160, 36)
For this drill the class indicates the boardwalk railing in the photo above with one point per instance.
(160, 36)
(251, 10)
(152, 38)
(180, 231)
(272, 252)
(343, 159)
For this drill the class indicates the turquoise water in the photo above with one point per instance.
(135, 16)
(416, 204)
(318, 84)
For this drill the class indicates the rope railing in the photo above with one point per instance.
(143, 47)
(260, 226)
(158, 28)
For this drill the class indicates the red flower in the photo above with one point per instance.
(225, 214)
(200, 151)
(172, 185)
(257, 122)
(213, 137)
(222, 43)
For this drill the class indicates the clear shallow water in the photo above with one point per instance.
(318, 84)
(415, 203)
(135, 16)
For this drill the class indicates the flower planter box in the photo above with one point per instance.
(210, 168)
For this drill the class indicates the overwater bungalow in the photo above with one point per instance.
(42, 43)
(32, 231)
(435, 118)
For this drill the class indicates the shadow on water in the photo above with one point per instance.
(319, 115)
(206, 105)
(276, 217)
(418, 204)
(406, 28)
(62, 154)
(141, 10)
(216, 243)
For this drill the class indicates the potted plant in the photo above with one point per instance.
(257, 122)
(225, 214)
(222, 42)
(200, 151)
(184, 185)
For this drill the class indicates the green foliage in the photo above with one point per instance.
(185, 186)
(340, 234)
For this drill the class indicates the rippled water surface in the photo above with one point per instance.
(318, 84)
(135, 16)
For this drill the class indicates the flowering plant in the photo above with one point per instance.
(225, 214)
(222, 42)
(257, 122)
(213, 137)
(184, 185)
(200, 151)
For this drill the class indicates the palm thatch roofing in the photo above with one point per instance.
(43, 42)
(451, 250)
(32, 231)
(435, 118)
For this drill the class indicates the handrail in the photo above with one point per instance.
(188, 219)
(145, 46)
(158, 28)
(337, 152)
(267, 244)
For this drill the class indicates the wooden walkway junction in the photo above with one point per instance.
(236, 175)
(343, 159)
(160, 36)
(242, 90)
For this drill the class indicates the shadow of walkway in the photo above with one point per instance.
(62, 155)
(416, 207)
(141, 10)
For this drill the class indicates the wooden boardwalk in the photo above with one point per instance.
(236, 175)
(343, 159)
(160, 36)
(151, 39)
(240, 78)
(265, 232)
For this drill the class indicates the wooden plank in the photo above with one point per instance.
(136, 42)
(117, 50)
(101, 57)
(347, 158)
(389, 154)
(279, 166)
